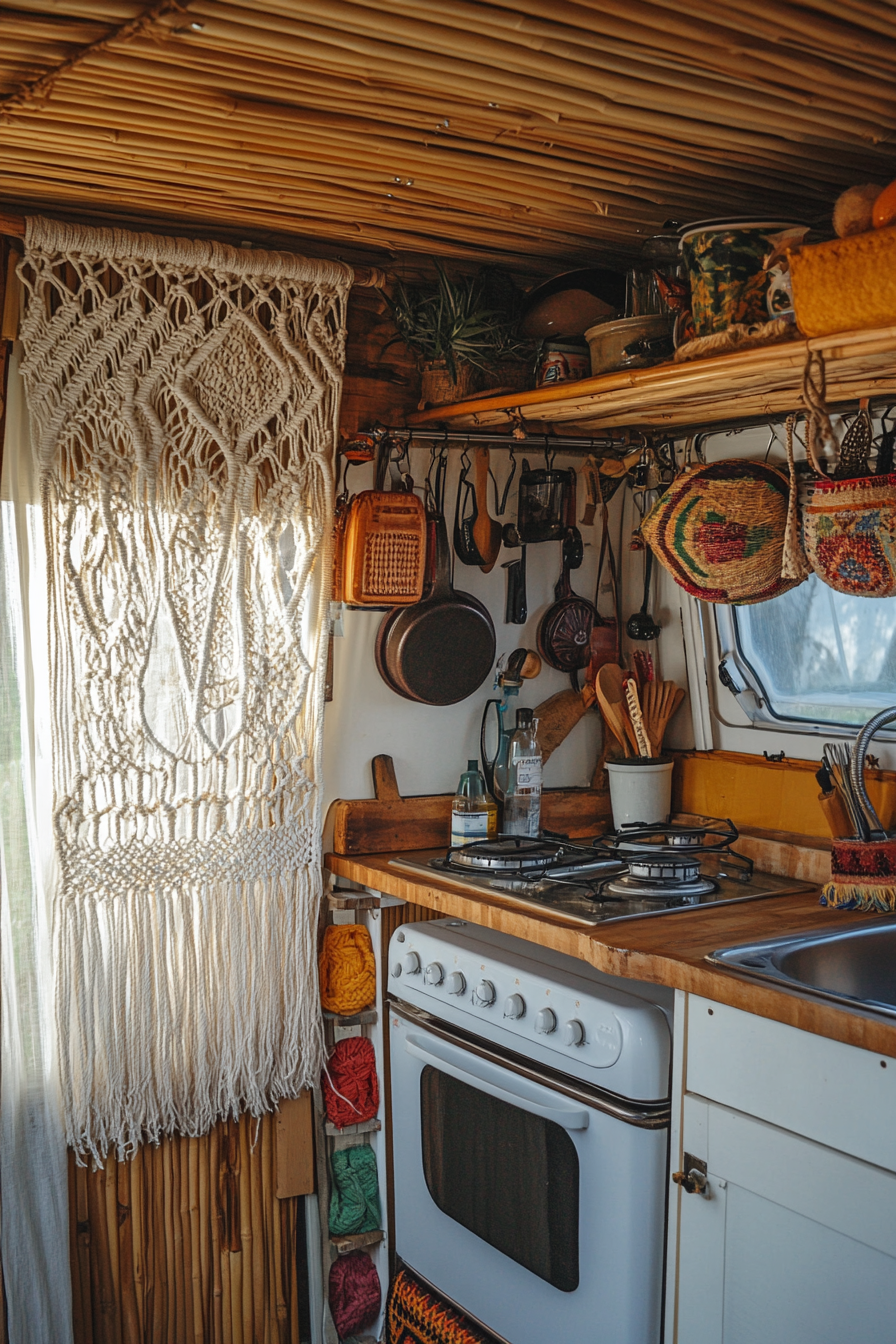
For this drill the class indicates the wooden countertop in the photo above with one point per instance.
(668, 950)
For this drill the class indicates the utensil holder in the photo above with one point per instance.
(640, 791)
(863, 872)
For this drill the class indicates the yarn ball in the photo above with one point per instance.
(350, 1086)
(355, 1197)
(354, 1293)
(347, 969)
(853, 210)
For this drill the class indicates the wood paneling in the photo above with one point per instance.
(187, 1243)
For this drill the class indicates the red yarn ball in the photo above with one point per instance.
(355, 1293)
(351, 1071)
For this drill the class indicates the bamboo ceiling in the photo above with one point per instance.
(542, 133)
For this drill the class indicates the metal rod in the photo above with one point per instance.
(531, 443)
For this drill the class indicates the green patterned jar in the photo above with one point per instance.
(724, 262)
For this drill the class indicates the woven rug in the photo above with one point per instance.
(417, 1315)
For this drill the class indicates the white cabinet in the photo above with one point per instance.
(793, 1240)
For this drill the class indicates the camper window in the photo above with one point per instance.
(811, 656)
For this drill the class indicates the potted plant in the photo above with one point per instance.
(456, 330)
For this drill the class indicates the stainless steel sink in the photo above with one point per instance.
(855, 966)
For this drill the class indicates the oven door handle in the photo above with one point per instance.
(478, 1073)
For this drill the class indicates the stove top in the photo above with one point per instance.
(627, 874)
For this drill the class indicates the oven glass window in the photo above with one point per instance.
(506, 1175)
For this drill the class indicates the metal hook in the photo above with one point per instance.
(501, 504)
(773, 438)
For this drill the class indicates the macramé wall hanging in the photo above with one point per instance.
(185, 398)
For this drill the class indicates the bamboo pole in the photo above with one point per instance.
(137, 1178)
(197, 1296)
(247, 1283)
(119, 1185)
(258, 1222)
(79, 1230)
(214, 1208)
(167, 1231)
(104, 1313)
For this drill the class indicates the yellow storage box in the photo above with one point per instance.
(845, 285)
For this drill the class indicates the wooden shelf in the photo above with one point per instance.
(363, 1127)
(752, 383)
(356, 1241)
(365, 1018)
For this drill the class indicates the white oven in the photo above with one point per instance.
(530, 1135)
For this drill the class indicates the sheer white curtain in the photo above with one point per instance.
(33, 1165)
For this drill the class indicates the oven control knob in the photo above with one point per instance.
(484, 994)
(514, 1006)
(573, 1033)
(411, 964)
(545, 1021)
(434, 973)
(455, 984)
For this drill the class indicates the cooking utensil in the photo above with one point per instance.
(477, 537)
(516, 609)
(836, 757)
(610, 690)
(604, 642)
(634, 713)
(442, 649)
(640, 625)
(558, 715)
(856, 447)
(660, 700)
(486, 531)
(564, 631)
(543, 504)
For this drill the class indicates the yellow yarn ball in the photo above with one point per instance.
(347, 969)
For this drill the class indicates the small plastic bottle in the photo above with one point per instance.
(474, 812)
(522, 802)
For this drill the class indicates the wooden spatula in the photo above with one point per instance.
(486, 532)
(611, 698)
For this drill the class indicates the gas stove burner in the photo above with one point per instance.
(672, 845)
(664, 862)
(505, 853)
(672, 890)
(520, 856)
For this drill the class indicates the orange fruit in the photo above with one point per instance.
(883, 212)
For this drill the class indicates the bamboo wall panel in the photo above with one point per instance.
(537, 132)
(187, 1243)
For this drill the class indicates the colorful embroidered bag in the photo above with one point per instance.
(849, 532)
(848, 526)
(719, 531)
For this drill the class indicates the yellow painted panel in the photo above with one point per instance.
(772, 795)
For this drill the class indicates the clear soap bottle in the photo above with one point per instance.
(474, 812)
(522, 802)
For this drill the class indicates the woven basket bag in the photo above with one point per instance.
(719, 531)
(849, 532)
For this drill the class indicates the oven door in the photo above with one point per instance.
(540, 1212)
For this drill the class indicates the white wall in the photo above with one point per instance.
(431, 745)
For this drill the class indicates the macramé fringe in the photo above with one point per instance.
(174, 1014)
(851, 896)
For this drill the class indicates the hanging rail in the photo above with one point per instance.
(367, 277)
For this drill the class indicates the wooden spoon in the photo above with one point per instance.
(611, 698)
(486, 532)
